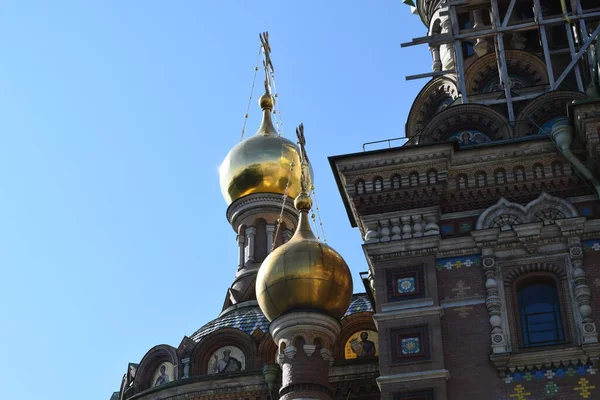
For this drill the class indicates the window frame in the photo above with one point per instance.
(533, 278)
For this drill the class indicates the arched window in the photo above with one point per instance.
(378, 184)
(461, 181)
(519, 174)
(432, 177)
(500, 176)
(480, 179)
(396, 182)
(360, 187)
(557, 169)
(539, 311)
(538, 171)
(414, 179)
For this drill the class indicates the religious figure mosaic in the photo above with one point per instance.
(362, 344)
(227, 359)
(164, 374)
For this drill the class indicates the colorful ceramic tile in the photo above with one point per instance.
(584, 389)
(519, 393)
(551, 389)
(411, 346)
(406, 285)
(359, 303)
(458, 262)
(591, 245)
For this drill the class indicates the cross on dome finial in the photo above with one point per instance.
(268, 65)
(303, 201)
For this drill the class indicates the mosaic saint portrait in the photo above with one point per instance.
(227, 359)
(466, 138)
(164, 374)
(362, 344)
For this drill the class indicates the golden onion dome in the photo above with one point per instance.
(304, 274)
(262, 162)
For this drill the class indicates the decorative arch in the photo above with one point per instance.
(267, 350)
(505, 214)
(520, 272)
(351, 324)
(524, 70)
(472, 118)
(542, 109)
(151, 362)
(437, 94)
(205, 349)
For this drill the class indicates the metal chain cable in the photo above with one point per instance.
(251, 93)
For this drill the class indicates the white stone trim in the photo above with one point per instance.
(409, 313)
(412, 377)
(462, 302)
(406, 304)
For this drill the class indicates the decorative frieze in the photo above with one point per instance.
(402, 227)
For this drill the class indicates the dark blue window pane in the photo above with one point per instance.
(540, 315)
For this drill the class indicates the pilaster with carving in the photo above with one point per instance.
(493, 302)
(582, 292)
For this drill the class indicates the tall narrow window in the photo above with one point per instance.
(396, 182)
(539, 309)
(378, 184)
(414, 179)
(360, 187)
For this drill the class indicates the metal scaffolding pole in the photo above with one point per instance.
(582, 50)
(501, 60)
(537, 9)
(573, 54)
(458, 56)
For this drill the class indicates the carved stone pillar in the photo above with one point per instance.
(582, 292)
(447, 50)
(482, 45)
(385, 230)
(186, 367)
(436, 65)
(493, 302)
(241, 239)
(305, 340)
(251, 235)
(270, 237)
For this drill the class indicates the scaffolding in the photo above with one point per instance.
(579, 38)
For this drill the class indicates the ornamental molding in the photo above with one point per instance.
(505, 214)
(546, 358)
(413, 376)
(258, 203)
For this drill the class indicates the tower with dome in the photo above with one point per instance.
(290, 325)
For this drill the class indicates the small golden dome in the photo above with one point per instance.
(304, 275)
(261, 163)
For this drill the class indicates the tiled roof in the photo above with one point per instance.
(249, 319)
(360, 303)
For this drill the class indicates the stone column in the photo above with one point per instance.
(447, 50)
(493, 302)
(436, 65)
(482, 45)
(582, 292)
(241, 238)
(251, 235)
(305, 340)
(270, 237)
(186, 367)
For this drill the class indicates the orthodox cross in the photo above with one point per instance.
(303, 156)
(264, 41)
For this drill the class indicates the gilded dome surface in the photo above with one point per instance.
(304, 275)
(261, 163)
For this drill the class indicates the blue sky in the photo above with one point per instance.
(114, 118)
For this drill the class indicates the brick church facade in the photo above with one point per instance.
(482, 232)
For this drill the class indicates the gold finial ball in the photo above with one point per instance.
(303, 202)
(266, 102)
(304, 275)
